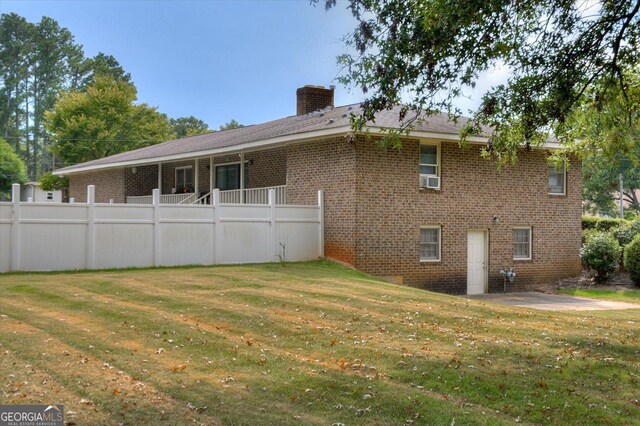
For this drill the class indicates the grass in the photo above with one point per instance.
(632, 296)
(308, 343)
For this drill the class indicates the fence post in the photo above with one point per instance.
(15, 227)
(321, 223)
(156, 227)
(273, 244)
(91, 228)
(217, 231)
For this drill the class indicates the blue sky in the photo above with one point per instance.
(213, 59)
(216, 60)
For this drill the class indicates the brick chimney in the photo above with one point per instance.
(313, 98)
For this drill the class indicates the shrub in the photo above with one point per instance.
(589, 222)
(600, 253)
(601, 223)
(587, 233)
(626, 232)
(632, 259)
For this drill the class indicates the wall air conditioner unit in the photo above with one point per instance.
(430, 182)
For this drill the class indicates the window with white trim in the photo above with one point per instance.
(522, 243)
(557, 179)
(429, 160)
(430, 244)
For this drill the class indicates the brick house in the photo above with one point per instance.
(431, 215)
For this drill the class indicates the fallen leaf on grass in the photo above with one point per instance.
(179, 367)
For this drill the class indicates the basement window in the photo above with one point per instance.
(522, 243)
(430, 244)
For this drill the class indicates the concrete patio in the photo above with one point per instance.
(553, 302)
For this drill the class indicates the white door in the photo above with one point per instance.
(476, 262)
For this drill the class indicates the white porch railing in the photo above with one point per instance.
(251, 196)
(164, 199)
(254, 195)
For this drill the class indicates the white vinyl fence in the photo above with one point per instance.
(61, 236)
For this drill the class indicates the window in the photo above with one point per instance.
(521, 243)
(184, 179)
(430, 244)
(429, 159)
(557, 178)
(228, 176)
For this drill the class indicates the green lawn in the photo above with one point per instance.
(632, 296)
(308, 343)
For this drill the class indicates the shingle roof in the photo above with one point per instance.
(328, 119)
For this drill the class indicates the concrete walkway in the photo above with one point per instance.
(553, 302)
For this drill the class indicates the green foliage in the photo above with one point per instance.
(85, 70)
(626, 232)
(102, 121)
(51, 182)
(233, 124)
(606, 127)
(188, 126)
(37, 61)
(12, 169)
(632, 259)
(601, 182)
(589, 222)
(429, 53)
(600, 253)
(604, 224)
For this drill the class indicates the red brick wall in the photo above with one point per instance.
(142, 182)
(328, 165)
(391, 208)
(109, 185)
(266, 168)
(313, 98)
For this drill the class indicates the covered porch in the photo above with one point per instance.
(243, 178)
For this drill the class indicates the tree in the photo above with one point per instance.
(51, 182)
(34, 65)
(12, 169)
(85, 70)
(38, 60)
(102, 121)
(233, 124)
(433, 51)
(188, 126)
(601, 181)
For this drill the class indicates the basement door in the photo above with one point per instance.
(477, 247)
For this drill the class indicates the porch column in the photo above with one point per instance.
(196, 176)
(211, 170)
(160, 177)
(242, 178)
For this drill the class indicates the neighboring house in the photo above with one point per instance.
(432, 214)
(31, 191)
